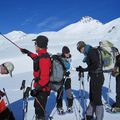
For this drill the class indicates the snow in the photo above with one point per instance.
(88, 29)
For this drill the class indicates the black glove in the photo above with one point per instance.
(79, 69)
(67, 74)
(34, 93)
(2, 94)
(24, 51)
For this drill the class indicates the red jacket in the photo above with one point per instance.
(44, 70)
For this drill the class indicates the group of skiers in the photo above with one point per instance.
(42, 70)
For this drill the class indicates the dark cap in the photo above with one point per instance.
(41, 41)
(65, 49)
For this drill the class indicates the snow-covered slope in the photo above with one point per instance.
(87, 29)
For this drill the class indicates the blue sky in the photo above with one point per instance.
(35, 16)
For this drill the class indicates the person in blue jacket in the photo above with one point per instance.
(66, 57)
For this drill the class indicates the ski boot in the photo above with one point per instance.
(115, 109)
(60, 111)
(70, 110)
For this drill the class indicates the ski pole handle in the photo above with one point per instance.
(23, 85)
(10, 41)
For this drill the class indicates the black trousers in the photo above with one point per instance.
(7, 115)
(96, 83)
(118, 91)
(40, 104)
(69, 94)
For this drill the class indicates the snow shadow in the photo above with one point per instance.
(81, 96)
(17, 107)
(106, 96)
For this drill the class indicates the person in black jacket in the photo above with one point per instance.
(94, 68)
(116, 73)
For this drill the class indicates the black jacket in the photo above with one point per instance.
(117, 64)
(93, 61)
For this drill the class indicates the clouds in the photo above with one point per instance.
(51, 23)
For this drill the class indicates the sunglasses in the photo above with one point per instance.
(35, 43)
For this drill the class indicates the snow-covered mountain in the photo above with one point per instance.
(87, 29)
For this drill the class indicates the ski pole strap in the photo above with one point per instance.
(26, 93)
(80, 75)
(40, 104)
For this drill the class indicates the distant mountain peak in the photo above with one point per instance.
(16, 32)
(15, 35)
(88, 19)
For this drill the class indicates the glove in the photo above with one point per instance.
(2, 94)
(67, 74)
(34, 93)
(114, 72)
(38, 87)
(24, 51)
(36, 79)
(79, 69)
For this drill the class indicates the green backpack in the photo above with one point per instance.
(107, 54)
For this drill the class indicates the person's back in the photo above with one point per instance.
(116, 74)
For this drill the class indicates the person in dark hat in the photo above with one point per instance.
(95, 71)
(42, 65)
(66, 57)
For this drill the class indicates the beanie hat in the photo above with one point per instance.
(65, 49)
(41, 41)
(80, 45)
(9, 66)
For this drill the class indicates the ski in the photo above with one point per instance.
(25, 98)
(111, 111)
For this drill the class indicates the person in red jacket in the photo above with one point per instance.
(42, 64)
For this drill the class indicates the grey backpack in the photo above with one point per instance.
(57, 72)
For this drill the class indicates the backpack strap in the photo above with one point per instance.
(36, 64)
(58, 57)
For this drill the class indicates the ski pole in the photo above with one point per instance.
(109, 90)
(10, 41)
(82, 94)
(23, 88)
(53, 112)
(7, 99)
(10, 108)
(82, 77)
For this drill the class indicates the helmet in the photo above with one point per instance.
(9, 66)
